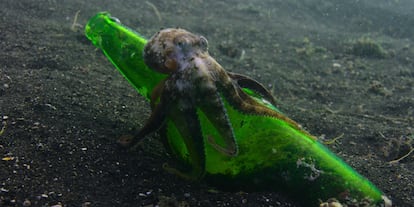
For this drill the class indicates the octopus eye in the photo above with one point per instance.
(182, 44)
(203, 43)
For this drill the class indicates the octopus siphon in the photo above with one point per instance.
(197, 82)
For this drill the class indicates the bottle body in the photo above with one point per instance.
(272, 154)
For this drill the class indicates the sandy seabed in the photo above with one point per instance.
(63, 104)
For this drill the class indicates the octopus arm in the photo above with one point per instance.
(247, 82)
(186, 120)
(156, 93)
(214, 109)
(156, 120)
(246, 104)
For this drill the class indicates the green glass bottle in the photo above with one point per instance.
(272, 154)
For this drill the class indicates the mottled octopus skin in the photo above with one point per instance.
(196, 81)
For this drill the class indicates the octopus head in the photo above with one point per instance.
(172, 50)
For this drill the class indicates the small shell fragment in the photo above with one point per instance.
(7, 158)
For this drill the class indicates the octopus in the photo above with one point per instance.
(196, 81)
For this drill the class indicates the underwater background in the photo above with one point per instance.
(344, 70)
